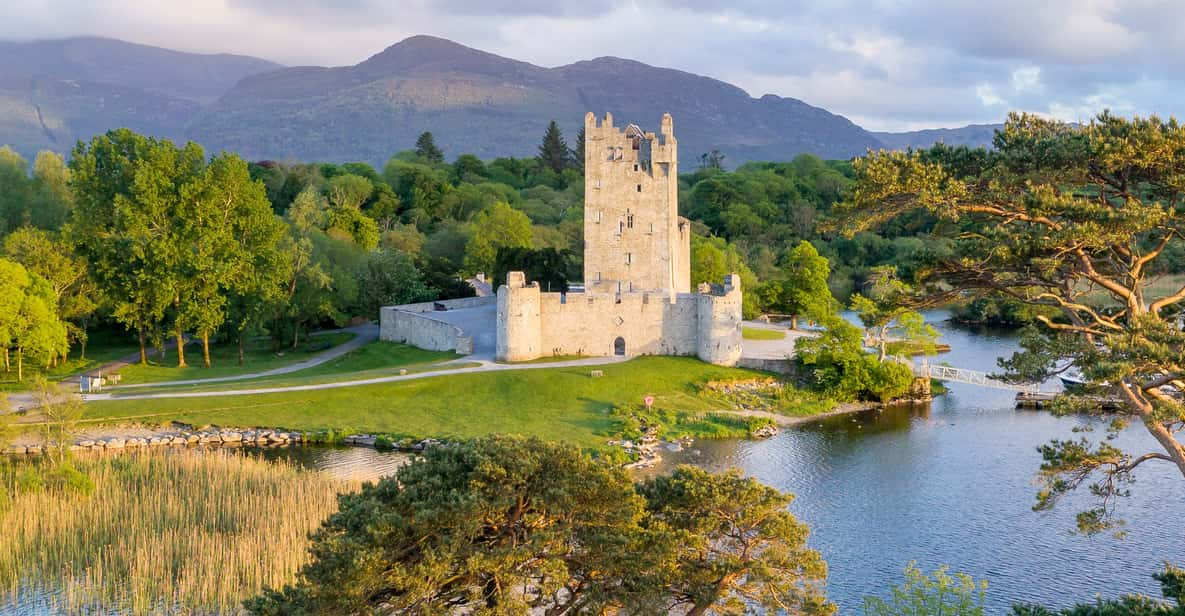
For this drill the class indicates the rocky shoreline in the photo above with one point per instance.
(132, 438)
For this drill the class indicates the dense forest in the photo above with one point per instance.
(166, 242)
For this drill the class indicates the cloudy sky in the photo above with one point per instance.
(886, 64)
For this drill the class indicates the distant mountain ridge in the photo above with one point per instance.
(972, 135)
(53, 93)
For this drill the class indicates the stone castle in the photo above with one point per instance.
(637, 297)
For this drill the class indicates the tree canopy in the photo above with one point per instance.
(509, 525)
(1078, 218)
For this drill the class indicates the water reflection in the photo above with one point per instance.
(351, 463)
(952, 483)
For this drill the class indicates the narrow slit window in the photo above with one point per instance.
(629, 221)
(639, 188)
(629, 258)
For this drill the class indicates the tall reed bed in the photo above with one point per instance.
(161, 532)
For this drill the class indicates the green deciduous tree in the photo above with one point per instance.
(551, 268)
(390, 278)
(886, 308)
(836, 363)
(124, 192)
(510, 526)
(499, 226)
(29, 323)
(53, 259)
(803, 290)
(941, 594)
(1078, 218)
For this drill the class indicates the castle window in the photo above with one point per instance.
(598, 276)
(635, 166)
(598, 216)
(639, 188)
(652, 227)
(629, 221)
(629, 258)
(620, 227)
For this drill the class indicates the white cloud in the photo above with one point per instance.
(1026, 78)
(987, 95)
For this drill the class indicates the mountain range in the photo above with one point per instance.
(55, 92)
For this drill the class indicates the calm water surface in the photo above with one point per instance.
(953, 484)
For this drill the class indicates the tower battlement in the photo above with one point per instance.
(634, 237)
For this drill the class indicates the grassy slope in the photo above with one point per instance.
(754, 333)
(375, 359)
(103, 348)
(225, 360)
(558, 404)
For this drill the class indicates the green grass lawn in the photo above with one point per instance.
(564, 404)
(377, 355)
(375, 359)
(757, 333)
(102, 348)
(224, 359)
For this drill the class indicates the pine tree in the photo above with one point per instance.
(426, 148)
(553, 152)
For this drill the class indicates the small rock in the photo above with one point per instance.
(86, 443)
(33, 450)
(114, 443)
(15, 449)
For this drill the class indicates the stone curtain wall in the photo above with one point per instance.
(413, 324)
(532, 324)
(451, 304)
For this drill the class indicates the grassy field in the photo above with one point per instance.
(375, 359)
(558, 404)
(107, 538)
(103, 347)
(225, 360)
(757, 333)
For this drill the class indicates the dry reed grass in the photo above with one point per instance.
(179, 532)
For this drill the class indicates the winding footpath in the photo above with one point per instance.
(483, 366)
(363, 335)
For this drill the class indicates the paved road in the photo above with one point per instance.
(476, 322)
(363, 334)
(483, 367)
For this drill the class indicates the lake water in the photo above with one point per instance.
(951, 483)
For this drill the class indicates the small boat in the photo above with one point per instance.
(1072, 380)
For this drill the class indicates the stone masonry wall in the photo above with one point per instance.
(634, 239)
(532, 324)
(421, 330)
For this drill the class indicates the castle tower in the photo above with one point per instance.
(634, 239)
(518, 320)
